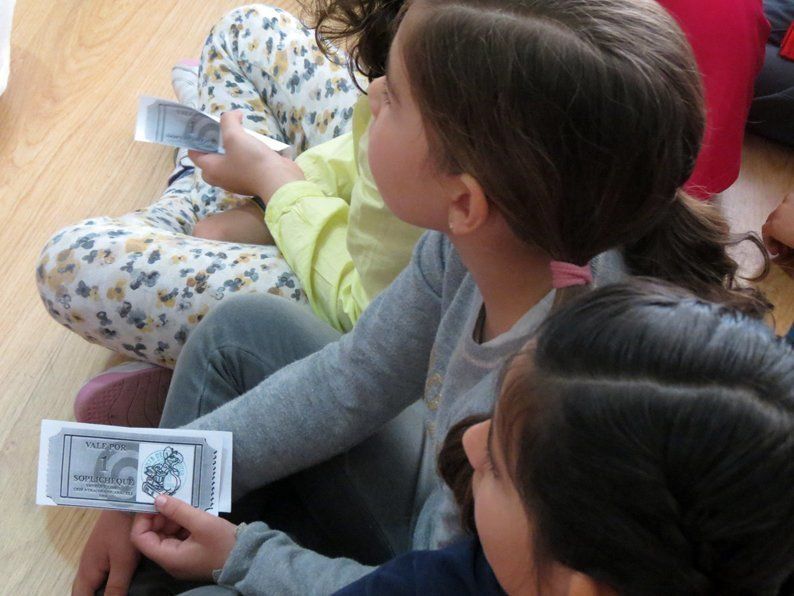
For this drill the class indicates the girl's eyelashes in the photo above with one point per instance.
(386, 99)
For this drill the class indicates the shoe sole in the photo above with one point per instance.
(124, 398)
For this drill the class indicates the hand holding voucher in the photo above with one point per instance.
(187, 542)
(247, 167)
(171, 123)
(229, 155)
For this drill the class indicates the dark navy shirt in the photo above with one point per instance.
(454, 571)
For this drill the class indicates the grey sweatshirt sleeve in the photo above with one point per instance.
(330, 401)
(268, 562)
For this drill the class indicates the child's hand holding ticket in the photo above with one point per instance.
(170, 123)
(187, 542)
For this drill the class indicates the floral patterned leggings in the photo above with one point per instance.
(139, 283)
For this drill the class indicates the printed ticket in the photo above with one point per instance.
(111, 467)
(171, 123)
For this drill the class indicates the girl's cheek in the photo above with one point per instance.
(475, 485)
(373, 107)
(373, 155)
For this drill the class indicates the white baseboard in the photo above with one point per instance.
(6, 19)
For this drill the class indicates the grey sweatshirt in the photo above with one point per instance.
(415, 341)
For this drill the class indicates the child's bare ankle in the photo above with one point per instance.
(212, 228)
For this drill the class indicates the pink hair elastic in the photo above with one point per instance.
(565, 274)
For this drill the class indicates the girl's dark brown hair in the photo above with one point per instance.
(366, 27)
(581, 119)
(650, 435)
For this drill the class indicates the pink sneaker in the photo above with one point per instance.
(131, 394)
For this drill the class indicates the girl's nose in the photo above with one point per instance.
(375, 94)
(475, 443)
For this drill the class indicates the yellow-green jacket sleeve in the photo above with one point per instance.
(308, 220)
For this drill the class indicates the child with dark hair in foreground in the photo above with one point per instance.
(642, 444)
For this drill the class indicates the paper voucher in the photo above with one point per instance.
(110, 467)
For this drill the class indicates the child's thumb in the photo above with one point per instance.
(231, 120)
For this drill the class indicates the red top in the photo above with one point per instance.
(787, 45)
(728, 38)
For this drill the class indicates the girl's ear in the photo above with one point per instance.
(469, 208)
(584, 585)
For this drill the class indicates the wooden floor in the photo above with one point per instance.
(66, 153)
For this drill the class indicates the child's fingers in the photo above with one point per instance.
(154, 522)
(122, 561)
(144, 539)
(143, 522)
(231, 121)
(150, 542)
(190, 518)
(231, 126)
(120, 576)
(88, 580)
(158, 523)
(194, 155)
(211, 166)
(83, 586)
(166, 551)
(202, 160)
(163, 525)
(171, 528)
